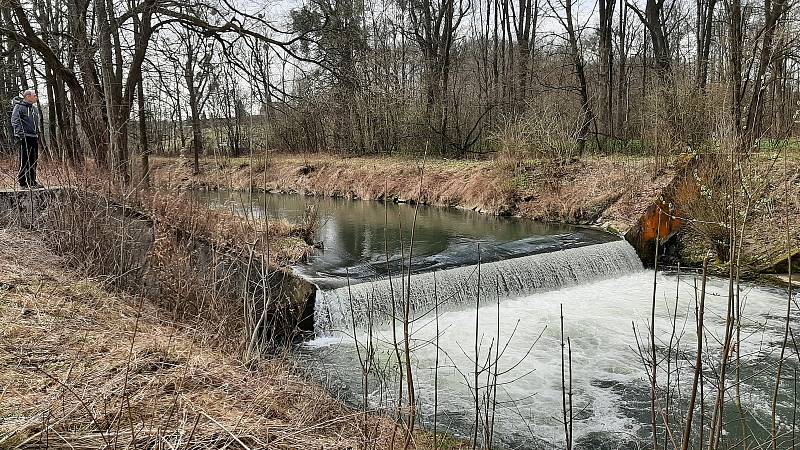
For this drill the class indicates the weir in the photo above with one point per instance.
(339, 308)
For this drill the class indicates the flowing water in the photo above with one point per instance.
(513, 301)
(611, 389)
(460, 287)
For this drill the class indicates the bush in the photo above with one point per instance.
(541, 132)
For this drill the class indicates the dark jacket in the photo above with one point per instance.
(24, 119)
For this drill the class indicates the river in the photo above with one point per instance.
(529, 272)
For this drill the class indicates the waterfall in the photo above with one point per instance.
(337, 309)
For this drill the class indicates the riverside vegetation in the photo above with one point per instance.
(666, 363)
(581, 112)
(611, 191)
(84, 366)
(113, 337)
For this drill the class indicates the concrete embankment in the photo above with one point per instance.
(230, 287)
(691, 217)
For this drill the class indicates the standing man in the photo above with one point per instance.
(25, 122)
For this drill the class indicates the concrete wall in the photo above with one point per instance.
(24, 207)
(661, 220)
(196, 279)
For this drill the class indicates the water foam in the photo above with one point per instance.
(338, 309)
(610, 382)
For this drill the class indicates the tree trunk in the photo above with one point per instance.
(622, 72)
(605, 50)
(705, 22)
(587, 116)
(655, 19)
(144, 153)
(194, 107)
(773, 12)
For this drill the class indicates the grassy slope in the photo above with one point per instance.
(772, 230)
(612, 191)
(774, 224)
(286, 240)
(80, 366)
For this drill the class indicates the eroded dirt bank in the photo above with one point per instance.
(609, 191)
(613, 192)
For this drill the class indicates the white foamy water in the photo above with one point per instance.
(611, 399)
(455, 287)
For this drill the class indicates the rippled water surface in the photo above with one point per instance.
(611, 391)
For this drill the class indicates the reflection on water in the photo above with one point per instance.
(357, 235)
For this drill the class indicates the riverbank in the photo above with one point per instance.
(611, 192)
(83, 367)
(288, 242)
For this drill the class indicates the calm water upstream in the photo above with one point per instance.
(528, 272)
(353, 234)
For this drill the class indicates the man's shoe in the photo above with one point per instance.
(36, 185)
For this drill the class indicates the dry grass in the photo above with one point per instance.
(288, 242)
(611, 191)
(445, 183)
(601, 190)
(83, 368)
(767, 188)
(775, 221)
(218, 284)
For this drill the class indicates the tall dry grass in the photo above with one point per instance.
(211, 270)
(82, 367)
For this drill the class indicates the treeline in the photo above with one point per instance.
(121, 78)
(522, 78)
(549, 76)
